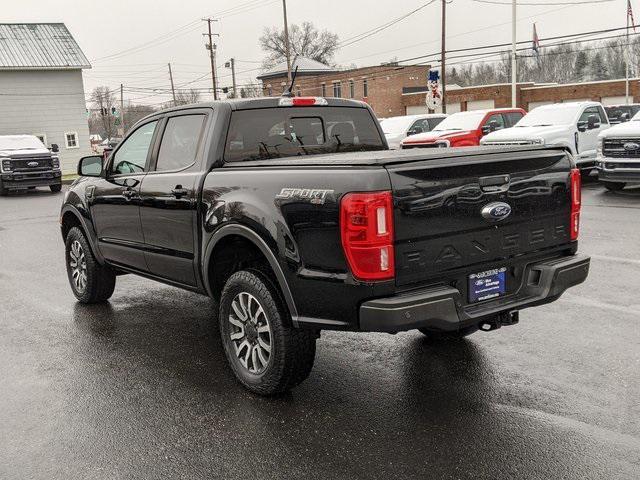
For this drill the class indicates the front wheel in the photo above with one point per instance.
(613, 186)
(55, 188)
(266, 355)
(90, 281)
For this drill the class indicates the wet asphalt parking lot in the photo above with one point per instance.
(138, 388)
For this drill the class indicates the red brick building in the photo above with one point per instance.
(528, 95)
(380, 86)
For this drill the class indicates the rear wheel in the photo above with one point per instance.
(55, 188)
(266, 354)
(439, 336)
(90, 281)
(613, 186)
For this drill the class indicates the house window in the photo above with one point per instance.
(352, 89)
(324, 90)
(365, 88)
(337, 89)
(71, 139)
(42, 137)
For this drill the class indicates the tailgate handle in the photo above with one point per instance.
(496, 183)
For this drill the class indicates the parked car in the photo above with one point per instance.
(26, 163)
(465, 129)
(618, 160)
(574, 126)
(295, 216)
(621, 113)
(397, 129)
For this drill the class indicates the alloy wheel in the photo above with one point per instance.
(78, 264)
(250, 333)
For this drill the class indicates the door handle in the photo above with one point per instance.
(179, 191)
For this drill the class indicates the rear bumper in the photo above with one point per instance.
(442, 309)
(17, 180)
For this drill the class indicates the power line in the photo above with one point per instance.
(542, 4)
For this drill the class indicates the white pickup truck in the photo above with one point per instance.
(574, 125)
(618, 160)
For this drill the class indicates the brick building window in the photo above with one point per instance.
(324, 90)
(365, 88)
(337, 89)
(352, 89)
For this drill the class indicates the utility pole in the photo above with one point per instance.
(232, 64)
(514, 59)
(122, 108)
(443, 75)
(173, 90)
(626, 60)
(286, 40)
(212, 56)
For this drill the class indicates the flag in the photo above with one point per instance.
(536, 40)
(630, 16)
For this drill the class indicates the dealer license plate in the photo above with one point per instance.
(487, 285)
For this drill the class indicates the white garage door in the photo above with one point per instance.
(620, 100)
(480, 104)
(533, 105)
(420, 109)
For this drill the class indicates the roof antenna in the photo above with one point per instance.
(289, 91)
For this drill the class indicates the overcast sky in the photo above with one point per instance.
(111, 27)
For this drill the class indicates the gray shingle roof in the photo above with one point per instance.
(305, 66)
(39, 46)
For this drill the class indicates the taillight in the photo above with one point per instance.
(576, 200)
(366, 228)
(302, 101)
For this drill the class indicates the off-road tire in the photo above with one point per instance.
(100, 279)
(614, 186)
(438, 336)
(55, 188)
(292, 350)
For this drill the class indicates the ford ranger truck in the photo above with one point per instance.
(295, 217)
(26, 163)
(464, 129)
(574, 126)
(618, 160)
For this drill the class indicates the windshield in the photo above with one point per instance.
(461, 121)
(615, 113)
(292, 131)
(20, 142)
(395, 125)
(549, 116)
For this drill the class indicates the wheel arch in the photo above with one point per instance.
(71, 217)
(257, 242)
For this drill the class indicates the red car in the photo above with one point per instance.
(465, 129)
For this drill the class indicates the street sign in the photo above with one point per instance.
(434, 92)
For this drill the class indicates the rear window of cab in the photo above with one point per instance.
(262, 134)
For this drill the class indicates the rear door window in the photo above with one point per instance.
(433, 122)
(513, 118)
(291, 131)
(180, 141)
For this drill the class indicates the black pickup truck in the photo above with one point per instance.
(292, 213)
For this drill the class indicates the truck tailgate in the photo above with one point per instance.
(440, 226)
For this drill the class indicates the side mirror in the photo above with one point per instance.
(625, 117)
(55, 148)
(415, 131)
(90, 166)
(593, 122)
(582, 126)
(486, 129)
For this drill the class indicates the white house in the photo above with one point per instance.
(41, 88)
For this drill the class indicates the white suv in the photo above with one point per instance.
(574, 125)
(618, 161)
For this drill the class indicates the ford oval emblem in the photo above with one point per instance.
(33, 164)
(631, 146)
(496, 211)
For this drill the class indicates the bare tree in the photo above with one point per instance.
(251, 90)
(305, 40)
(133, 113)
(185, 97)
(104, 101)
